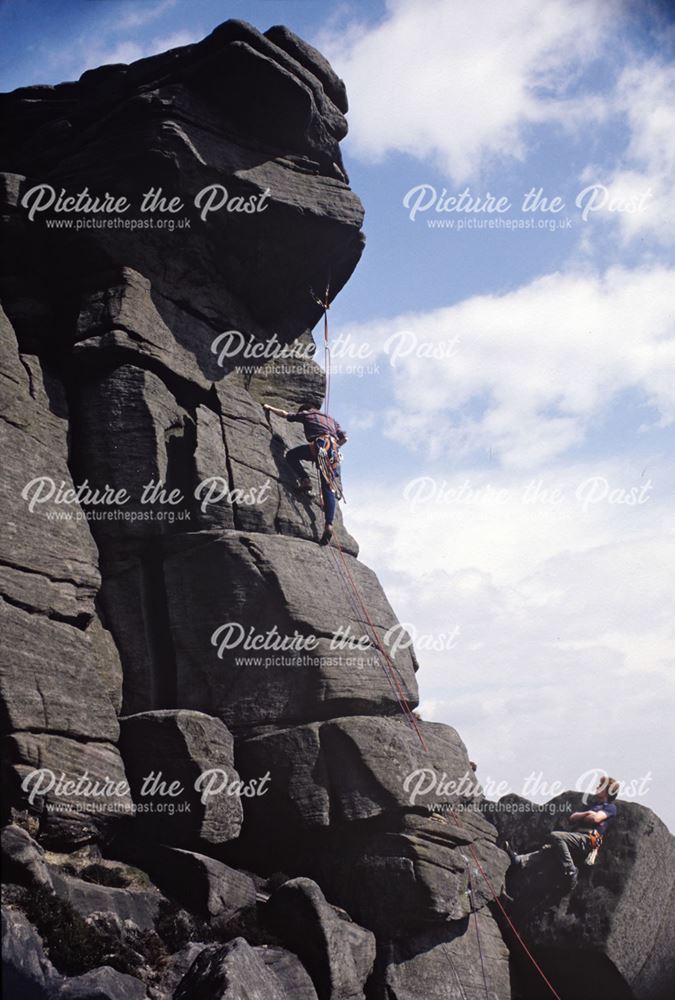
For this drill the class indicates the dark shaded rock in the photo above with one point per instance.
(176, 748)
(201, 884)
(235, 109)
(121, 315)
(426, 861)
(140, 906)
(312, 59)
(27, 973)
(616, 931)
(467, 959)
(129, 428)
(57, 678)
(174, 970)
(249, 687)
(48, 561)
(289, 971)
(22, 859)
(340, 808)
(345, 770)
(230, 972)
(91, 808)
(102, 984)
(338, 954)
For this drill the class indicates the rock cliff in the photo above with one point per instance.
(308, 872)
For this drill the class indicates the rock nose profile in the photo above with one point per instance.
(186, 817)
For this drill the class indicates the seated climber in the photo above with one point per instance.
(574, 846)
(324, 436)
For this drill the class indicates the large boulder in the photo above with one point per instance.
(341, 807)
(181, 771)
(22, 858)
(78, 789)
(236, 970)
(616, 931)
(325, 774)
(199, 883)
(57, 678)
(48, 559)
(26, 970)
(466, 959)
(139, 905)
(338, 954)
(235, 110)
(267, 649)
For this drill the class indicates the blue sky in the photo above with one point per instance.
(563, 372)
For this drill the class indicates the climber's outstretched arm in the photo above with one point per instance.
(275, 409)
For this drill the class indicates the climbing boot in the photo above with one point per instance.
(516, 859)
(571, 879)
(304, 486)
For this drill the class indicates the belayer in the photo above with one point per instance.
(573, 847)
(324, 439)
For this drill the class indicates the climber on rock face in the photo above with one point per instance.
(574, 846)
(325, 437)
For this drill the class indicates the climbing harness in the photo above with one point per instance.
(596, 843)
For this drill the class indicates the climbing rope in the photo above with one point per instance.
(451, 963)
(395, 683)
(388, 662)
(475, 920)
(325, 305)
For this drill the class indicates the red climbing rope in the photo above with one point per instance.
(407, 711)
(396, 685)
(511, 924)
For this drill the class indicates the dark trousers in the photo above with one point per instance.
(303, 453)
(570, 847)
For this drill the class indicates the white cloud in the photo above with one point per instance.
(644, 180)
(460, 82)
(137, 17)
(566, 646)
(534, 368)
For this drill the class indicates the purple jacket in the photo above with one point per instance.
(314, 423)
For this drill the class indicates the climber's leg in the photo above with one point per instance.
(295, 457)
(329, 505)
(565, 842)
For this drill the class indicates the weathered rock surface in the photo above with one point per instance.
(338, 954)
(140, 906)
(616, 931)
(93, 802)
(200, 883)
(56, 678)
(284, 590)
(445, 962)
(22, 859)
(26, 970)
(29, 975)
(174, 761)
(138, 360)
(236, 970)
(48, 564)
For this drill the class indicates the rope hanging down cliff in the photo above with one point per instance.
(395, 682)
